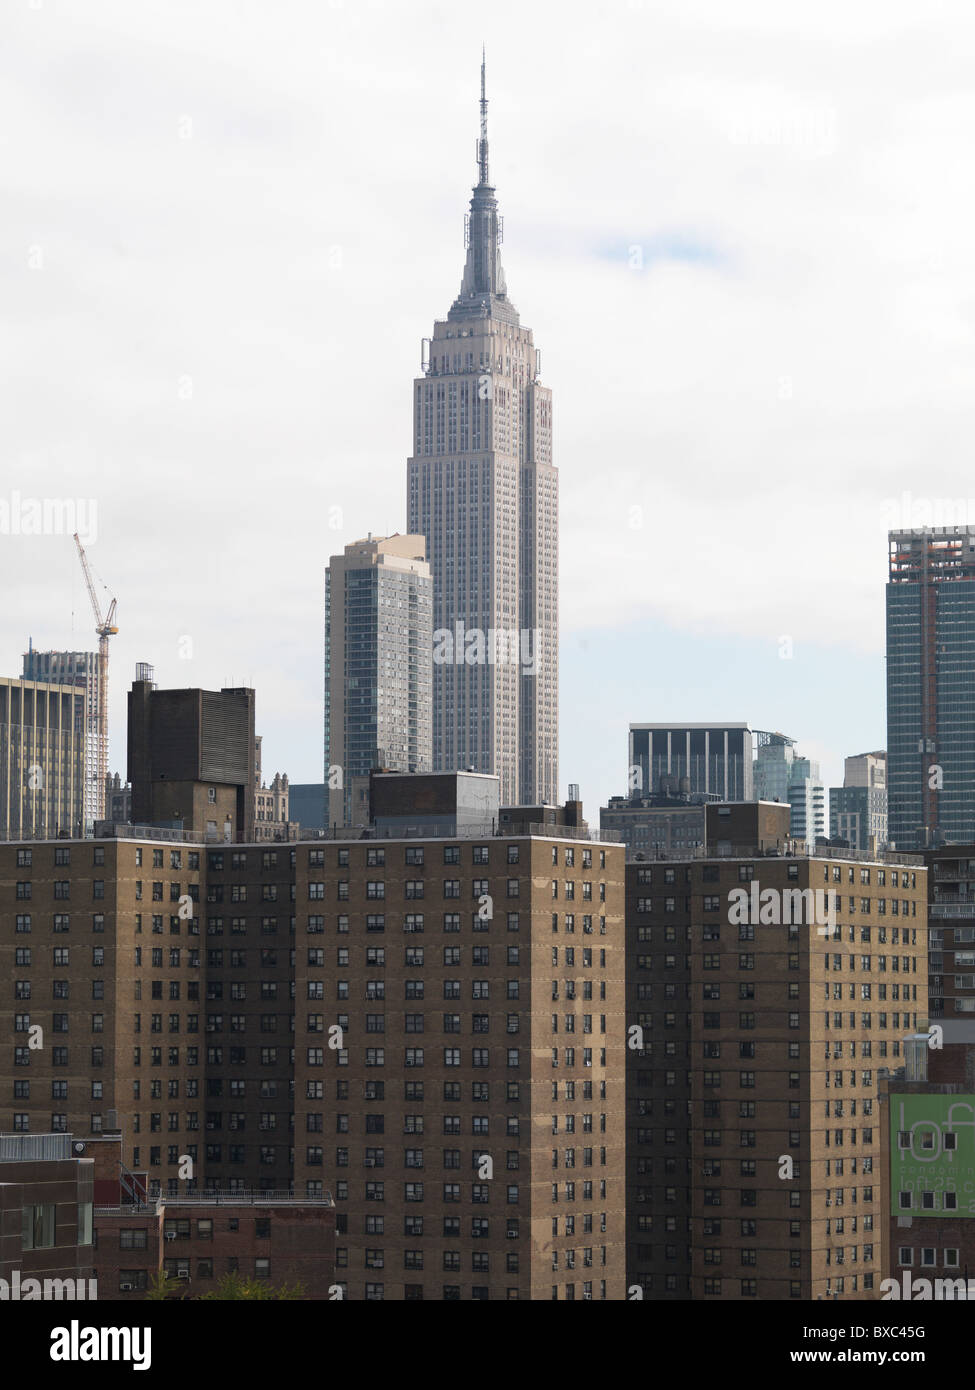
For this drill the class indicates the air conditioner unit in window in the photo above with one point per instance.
(170, 1235)
(370, 1162)
(182, 1274)
(126, 1288)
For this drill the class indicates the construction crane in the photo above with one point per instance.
(105, 628)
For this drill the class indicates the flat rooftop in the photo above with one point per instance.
(149, 834)
(687, 724)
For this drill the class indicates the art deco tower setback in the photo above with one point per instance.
(484, 492)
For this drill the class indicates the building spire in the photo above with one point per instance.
(482, 149)
(483, 291)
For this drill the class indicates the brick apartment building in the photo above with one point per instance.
(763, 1042)
(468, 1036)
(189, 994)
(199, 1237)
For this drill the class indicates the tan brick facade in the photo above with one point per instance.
(178, 1028)
(764, 1043)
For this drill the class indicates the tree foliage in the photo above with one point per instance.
(236, 1286)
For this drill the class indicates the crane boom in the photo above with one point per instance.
(105, 627)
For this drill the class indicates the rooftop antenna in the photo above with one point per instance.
(482, 149)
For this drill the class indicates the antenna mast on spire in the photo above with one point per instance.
(482, 149)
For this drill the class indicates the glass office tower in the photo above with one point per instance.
(378, 666)
(931, 687)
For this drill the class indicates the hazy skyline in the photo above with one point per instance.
(740, 240)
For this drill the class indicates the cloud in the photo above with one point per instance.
(228, 227)
(646, 251)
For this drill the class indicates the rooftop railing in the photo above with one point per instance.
(251, 1197)
(116, 830)
(279, 1197)
(485, 830)
(794, 849)
(34, 1148)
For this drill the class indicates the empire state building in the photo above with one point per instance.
(483, 490)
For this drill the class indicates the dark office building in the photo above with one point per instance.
(951, 961)
(307, 804)
(192, 757)
(930, 673)
(697, 759)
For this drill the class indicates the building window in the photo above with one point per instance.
(39, 1226)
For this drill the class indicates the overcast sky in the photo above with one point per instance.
(740, 231)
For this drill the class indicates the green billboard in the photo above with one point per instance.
(932, 1154)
